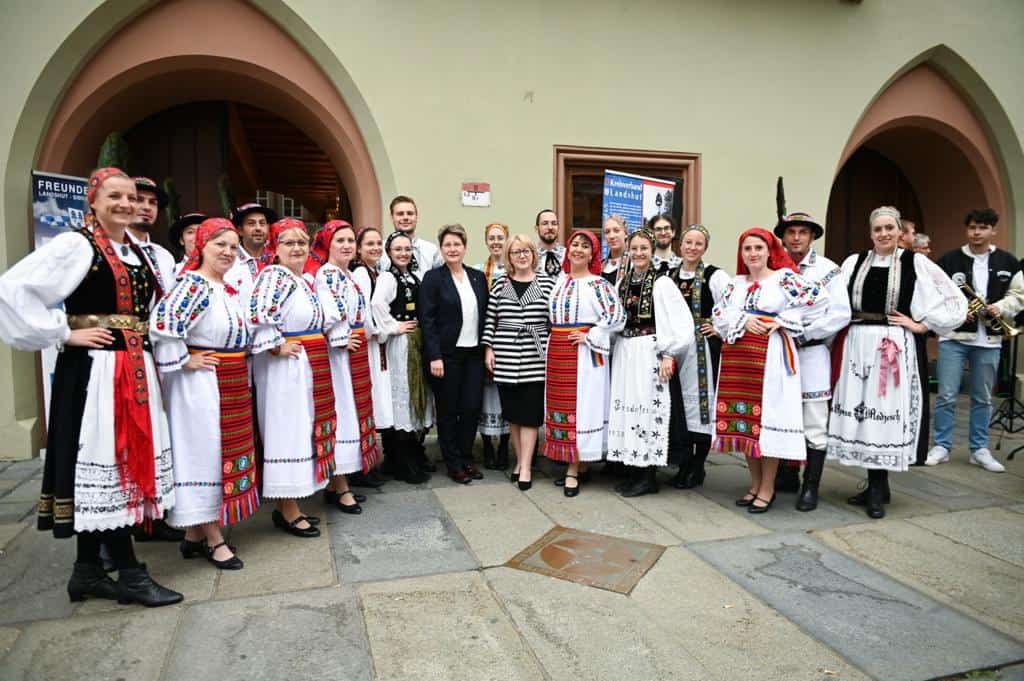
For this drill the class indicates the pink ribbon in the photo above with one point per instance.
(889, 351)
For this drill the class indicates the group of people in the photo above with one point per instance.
(269, 363)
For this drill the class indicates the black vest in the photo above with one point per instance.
(707, 301)
(403, 307)
(999, 261)
(876, 281)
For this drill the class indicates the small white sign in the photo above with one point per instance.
(476, 194)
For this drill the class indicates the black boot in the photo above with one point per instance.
(875, 504)
(861, 498)
(501, 459)
(629, 476)
(360, 479)
(387, 447)
(808, 500)
(134, 585)
(695, 472)
(646, 483)
(489, 456)
(788, 478)
(159, 531)
(89, 579)
(406, 461)
(685, 461)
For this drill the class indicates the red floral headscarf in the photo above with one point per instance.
(595, 252)
(207, 229)
(98, 177)
(320, 250)
(777, 257)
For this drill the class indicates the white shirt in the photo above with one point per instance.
(242, 275)
(470, 316)
(160, 260)
(979, 275)
(427, 258)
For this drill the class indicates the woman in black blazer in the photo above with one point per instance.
(452, 308)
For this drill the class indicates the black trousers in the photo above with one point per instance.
(459, 397)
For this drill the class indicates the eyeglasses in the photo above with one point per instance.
(519, 252)
(294, 244)
(663, 228)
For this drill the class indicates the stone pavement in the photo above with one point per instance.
(420, 587)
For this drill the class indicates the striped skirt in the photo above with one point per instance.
(362, 388)
(740, 391)
(237, 447)
(324, 418)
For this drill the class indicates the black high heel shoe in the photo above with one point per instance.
(514, 477)
(232, 563)
(760, 509)
(571, 491)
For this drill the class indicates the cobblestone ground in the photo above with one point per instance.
(417, 587)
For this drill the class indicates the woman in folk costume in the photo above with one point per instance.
(292, 373)
(614, 266)
(369, 249)
(658, 328)
(348, 325)
(584, 312)
(394, 313)
(200, 343)
(108, 456)
(491, 421)
(876, 403)
(693, 386)
(761, 309)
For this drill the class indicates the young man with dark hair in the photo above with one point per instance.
(404, 218)
(550, 253)
(253, 221)
(151, 200)
(993, 274)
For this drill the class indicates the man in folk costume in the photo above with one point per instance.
(151, 200)
(182, 234)
(253, 222)
(798, 231)
(664, 229)
(550, 253)
(404, 218)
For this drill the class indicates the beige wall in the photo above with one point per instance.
(458, 91)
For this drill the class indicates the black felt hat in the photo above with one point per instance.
(239, 213)
(798, 218)
(179, 225)
(145, 184)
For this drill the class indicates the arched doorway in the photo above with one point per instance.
(919, 147)
(130, 59)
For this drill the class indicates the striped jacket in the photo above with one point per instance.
(517, 330)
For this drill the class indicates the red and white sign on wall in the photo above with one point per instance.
(476, 194)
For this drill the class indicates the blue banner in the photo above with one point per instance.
(58, 204)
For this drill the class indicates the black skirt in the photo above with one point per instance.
(522, 403)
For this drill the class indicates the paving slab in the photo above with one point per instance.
(24, 469)
(8, 531)
(727, 629)
(841, 482)
(995, 531)
(443, 627)
(34, 573)
(1014, 673)
(25, 493)
(8, 635)
(1016, 508)
(497, 521)
(693, 517)
(598, 509)
(954, 573)
(7, 484)
(725, 484)
(16, 512)
(583, 633)
(867, 617)
(130, 645)
(958, 472)
(316, 634)
(276, 562)
(404, 535)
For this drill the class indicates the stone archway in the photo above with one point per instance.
(941, 154)
(131, 58)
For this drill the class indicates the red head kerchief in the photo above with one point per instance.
(98, 177)
(777, 257)
(207, 228)
(320, 251)
(595, 252)
(279, 228)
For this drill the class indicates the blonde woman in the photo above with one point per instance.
(491, 420)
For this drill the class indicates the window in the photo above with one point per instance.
(579, 181)
(288, 207)
(263, 198)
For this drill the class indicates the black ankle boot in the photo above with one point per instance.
(159, 531)
(489, 455)
(788, 478)
(89, 579)
(134, 585)
(629, 477)
(679, 480)
(875, 502)
(501, 459)
(808, 500)
(695, 471)
(646, 483)
(406, 462)
(861, 498)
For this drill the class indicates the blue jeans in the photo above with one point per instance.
(953, 355)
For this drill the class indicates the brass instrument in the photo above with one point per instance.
(977, 306)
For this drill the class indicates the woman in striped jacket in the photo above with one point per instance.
(515, 338)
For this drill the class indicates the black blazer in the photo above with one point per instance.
(440, 310)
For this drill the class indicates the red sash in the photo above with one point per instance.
(325, 420)
(740, 391)
(362, 388)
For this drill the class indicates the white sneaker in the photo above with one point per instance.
(936, 455)
(982, 457)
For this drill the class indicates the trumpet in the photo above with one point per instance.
(977, 306)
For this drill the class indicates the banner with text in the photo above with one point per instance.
(635, 198)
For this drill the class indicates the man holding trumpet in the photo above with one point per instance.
(991, 280)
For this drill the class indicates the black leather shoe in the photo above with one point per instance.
(367, 480)
(514, 477)
(232, 563)
(134, 585)
(192, 549)
(861, 498)
(874, 506)
(161, 531)
(460, 477)
(743, 501)
(473, 472)
(351, 509)
(646, 482)
(571, 491)
(331, 497)
(291, 527)
(754, 508)
(89, 579)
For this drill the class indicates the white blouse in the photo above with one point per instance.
(282, 302)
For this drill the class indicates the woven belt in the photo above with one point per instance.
(224, 353)
(871, 318)
(126, 322)
(642, 331)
